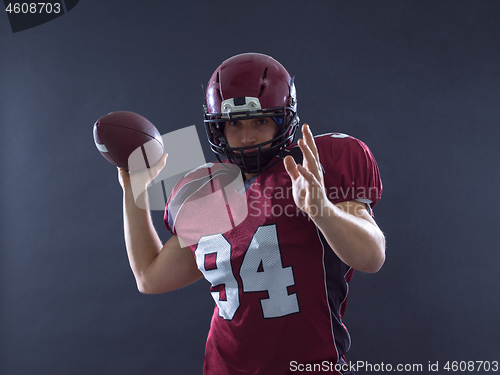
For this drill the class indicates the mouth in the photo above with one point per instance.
(251, 150)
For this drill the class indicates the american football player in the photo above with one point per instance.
(279, 275)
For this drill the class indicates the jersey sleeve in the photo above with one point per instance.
(350, 169)
(206, 201)
(183, 189)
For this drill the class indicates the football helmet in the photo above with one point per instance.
(251, 85)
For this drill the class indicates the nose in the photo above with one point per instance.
(247, 135)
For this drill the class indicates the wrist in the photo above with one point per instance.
(323, 212)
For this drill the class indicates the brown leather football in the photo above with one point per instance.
(128, 140)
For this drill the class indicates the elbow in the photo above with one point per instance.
(375, 265)
(146, 287)
(143, 287)
(377, 259)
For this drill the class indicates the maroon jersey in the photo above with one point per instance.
(280, 290)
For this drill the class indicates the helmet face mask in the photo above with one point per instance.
(249, 86)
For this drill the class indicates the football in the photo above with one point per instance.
(128, 140)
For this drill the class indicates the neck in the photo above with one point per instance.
(248, 176)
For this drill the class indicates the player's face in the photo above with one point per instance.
(249, 132)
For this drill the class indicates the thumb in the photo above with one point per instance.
(291, 167)
(157, 168)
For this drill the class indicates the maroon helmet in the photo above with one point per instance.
(251, 85)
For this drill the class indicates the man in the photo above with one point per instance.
(280, 275)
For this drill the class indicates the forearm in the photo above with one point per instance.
(141, 240)
(353, 235)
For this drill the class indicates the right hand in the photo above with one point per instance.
(141, 179)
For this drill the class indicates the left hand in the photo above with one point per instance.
(308, 185)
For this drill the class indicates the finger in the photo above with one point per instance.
(140, 180)
(309, 139)
(291, 167)
(163, 159)
(155, 170)
(161, 163)
(310, 163)
(308, 175)
(122, 171)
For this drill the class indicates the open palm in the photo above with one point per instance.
(307, 180)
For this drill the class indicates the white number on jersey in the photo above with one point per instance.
(261, 270)
(222, 273)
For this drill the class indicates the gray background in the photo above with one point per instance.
(418, 81)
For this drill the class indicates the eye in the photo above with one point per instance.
(233, 123)
(262, 121)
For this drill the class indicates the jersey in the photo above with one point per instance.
(280, 291)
